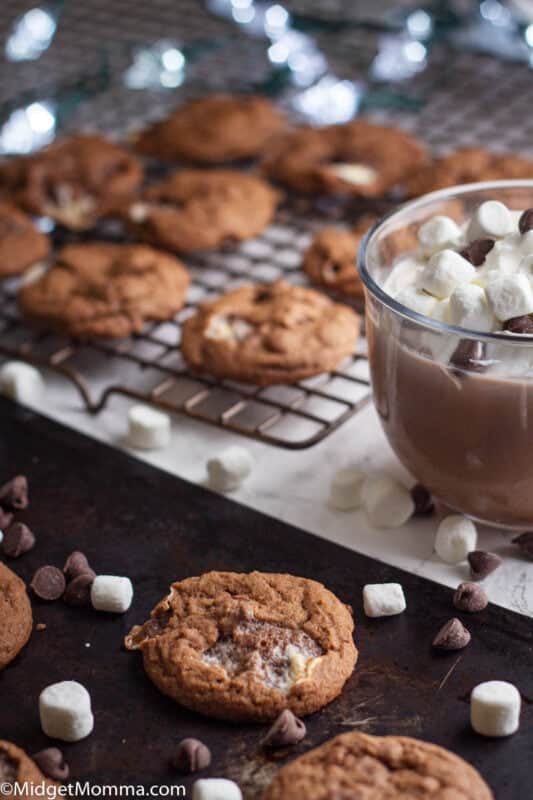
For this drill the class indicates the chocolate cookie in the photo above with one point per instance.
(331, 259)
(100, 289)
(75, 180)
(21, 244)
(15, 613)
(355, 765)
(202, 209)
(214, 129)
(468, 165)
(245, 647)
(17, 769)
(356, 158)
(266, 334)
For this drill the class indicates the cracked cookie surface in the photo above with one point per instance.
(15, 615)
(21, 243)
(356, 765)
(215, 129)
(100, 289)
(355, 158)
(202, 209)
(17, 769)
(268, 334)
(75, 180)
(246, 646)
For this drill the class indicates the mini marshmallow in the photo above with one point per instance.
(111, 593)
(65, 711)
(445, 271)
(456, 537)
(229, 469)
(358, 174)
(495, 708)
(437, 233)
(491, 219)
(346, 489)
(387, 503)
(383, 599)
(148, 429)
(469, 308)
(22, 383)
(404, 275)
(510, 296)
(216, 789)
(421, 302)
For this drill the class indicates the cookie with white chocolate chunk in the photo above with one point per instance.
(244, 647)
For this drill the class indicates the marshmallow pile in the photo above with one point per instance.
(477, 276)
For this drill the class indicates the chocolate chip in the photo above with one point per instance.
(18, 539)
(48, 583)
(525, 543)
(52, 762)
(6, 518)
(468, 356)
(14, 494)
(452, 636)
(470, 597)
(525, 223)
(519, 324)
(477, 251)
(77, 564)
(422, 500)
(78, 591)
(482, 563)
(191, 756)
(286, 730)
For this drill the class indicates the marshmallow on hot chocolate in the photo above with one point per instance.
(437, 233)
(510, 296)
(491, 219)
(469, 308)
(445, 271)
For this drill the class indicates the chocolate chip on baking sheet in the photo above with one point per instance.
(423, 501)
(477, 251)
(77, 564)
(52, 763)
(48, 583)
(470, 597)
(482, 563)
(18, 539)
(192, 755)
(78, 591)
(525, 223)
(525, 543)
(14, 494)
(522, 324)
(286, 730)
(468, 356)
(452, 636)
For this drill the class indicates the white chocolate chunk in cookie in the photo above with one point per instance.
(358, 174)
(139, 212)
(228, 329)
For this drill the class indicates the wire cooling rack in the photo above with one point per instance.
(149, 366)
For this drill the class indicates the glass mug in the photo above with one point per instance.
(456, 405)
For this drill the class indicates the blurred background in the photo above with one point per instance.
(457, 72)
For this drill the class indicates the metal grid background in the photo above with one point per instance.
(466, 100)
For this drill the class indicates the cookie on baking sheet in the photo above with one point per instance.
(15, 615)
(245, 647)
(75, 180)
(269, 333)
(21, 244)
(215, 129)
(356, 158)
(468, 165)
(330, 260)
(17, 769)
(202, 209)
(356, 766)
(100, 289)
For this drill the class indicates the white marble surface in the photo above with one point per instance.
(293, 486)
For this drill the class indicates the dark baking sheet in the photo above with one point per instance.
(131, 519)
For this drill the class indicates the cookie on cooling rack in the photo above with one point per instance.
(244, 647)
(330, 260)
(356, 158)
(215, 129)
(356, 765)
(201, 210)
(21, 244)
(468, 165)
(100, 289)
(268, 334)
(75, 180)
